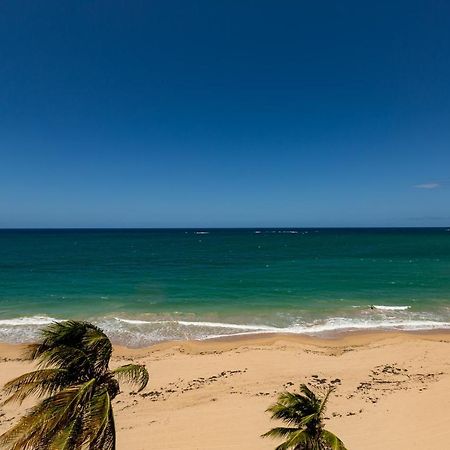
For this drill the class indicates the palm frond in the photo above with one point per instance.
(299, 439)
(295, 437)
(283, 446)
(65, 357)
(325, 400)
(58, 337)
(293, 407)
(310, 397)
(70, 401)
(135, 374)
(73, 360)
(97, 414)
(308, 419)
(67, 333)
(28, 430)
(108, 441)
(103, 435)
(97, 344)
(47, 420)
(333, 442)
(69, 438)
(279, 432)
(304, 413)
(39, 382)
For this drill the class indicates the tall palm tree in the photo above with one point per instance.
(304, 413)
(73, 374)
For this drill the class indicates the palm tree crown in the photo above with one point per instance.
(304, 413)
(74, 376)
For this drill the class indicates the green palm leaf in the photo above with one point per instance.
(304, 413)
(79, 387)
(40, 382)
(299, 438)
(333, 442)
(69, 438)
(135, 374)
(279, 432)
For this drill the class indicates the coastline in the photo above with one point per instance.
(339, 338)
(388, 382)
(138, 332)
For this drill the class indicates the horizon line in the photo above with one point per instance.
(223, 228)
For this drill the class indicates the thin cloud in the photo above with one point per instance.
(427, 186)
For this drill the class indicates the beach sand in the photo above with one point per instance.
(392, 390)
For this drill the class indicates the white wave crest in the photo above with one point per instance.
(334, 324)
(343, 325)
(391, 308)
(138, 332)
(186, 323)
(27, 321)
(23, 329)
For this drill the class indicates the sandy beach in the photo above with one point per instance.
(391, 390)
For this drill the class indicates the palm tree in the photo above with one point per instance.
(303, 412)
(73, 375)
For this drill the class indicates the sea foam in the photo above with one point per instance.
(139, 332)
(391, 308)
(144, 332)
(27, 321)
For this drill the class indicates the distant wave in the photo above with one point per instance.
(391, 308)
(383, 307)
(279, 231)
(27, 321)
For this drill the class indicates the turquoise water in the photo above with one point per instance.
(144, 286)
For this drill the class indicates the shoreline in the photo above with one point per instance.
(143, 332)
(338, 339)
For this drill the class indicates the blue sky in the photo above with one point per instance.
(224, 113)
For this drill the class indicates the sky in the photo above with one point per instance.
(231, 113)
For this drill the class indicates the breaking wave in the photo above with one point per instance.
(391, 308)
(138, 332)
(27, 321)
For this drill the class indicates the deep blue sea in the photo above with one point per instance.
(144, 286)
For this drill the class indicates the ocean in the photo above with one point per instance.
(148, 285)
